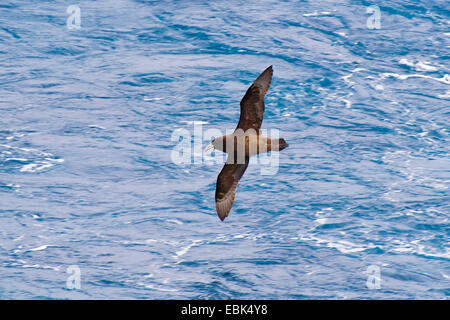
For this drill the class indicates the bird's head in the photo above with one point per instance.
(210, 146)
(218, 143)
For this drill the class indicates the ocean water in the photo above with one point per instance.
(359, 207)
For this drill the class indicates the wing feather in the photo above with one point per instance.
(252, 104)
(226, 186)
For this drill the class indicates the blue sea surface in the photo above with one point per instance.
(359, 208)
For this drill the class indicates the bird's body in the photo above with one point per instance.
(247, 143)
(244, 142)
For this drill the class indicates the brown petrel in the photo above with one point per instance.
(244, 142)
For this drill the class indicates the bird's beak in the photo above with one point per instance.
(209, 147)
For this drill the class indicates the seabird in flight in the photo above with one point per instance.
(244, 142)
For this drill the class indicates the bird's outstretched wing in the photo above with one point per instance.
(252, 104)
(227, 182)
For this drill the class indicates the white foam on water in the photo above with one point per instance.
(153, 99)
(38, 266)
(420, 65)
(425, 67)
(428, 252)
(16, 159)
(406, 62)
(28, 167)
(342, 246)
(40, 165)
(187, 248)
(446, 95)
(445, 79)
(316, 14)
(19, 238)
(321, 221)
(96, 126)
(25, 264)
(43, 247)
(348, 103)
(194, 122)
(347, 77)
(152, 287)
(175, 221)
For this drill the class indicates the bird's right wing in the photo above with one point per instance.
(252, 104)
(227, 182)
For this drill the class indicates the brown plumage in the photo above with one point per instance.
(252, 104)
(226, 187)
(243, 143)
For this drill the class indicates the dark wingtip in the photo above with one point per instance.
(222, 216)
(264, 79)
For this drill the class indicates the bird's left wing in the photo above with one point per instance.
(227, 182)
